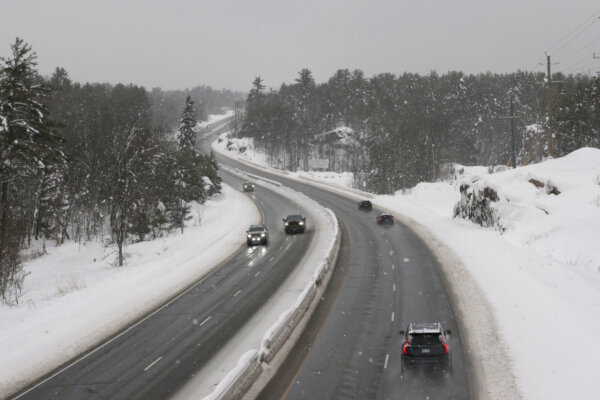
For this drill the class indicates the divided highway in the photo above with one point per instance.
(352, 347)
(158, 355)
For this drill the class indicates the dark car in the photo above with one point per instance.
(425, 343)
(248, 187)
(365, 205)
(294, 223)
(385, 219)
(257, 234)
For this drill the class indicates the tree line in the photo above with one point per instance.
(408, 128)
(89, 162)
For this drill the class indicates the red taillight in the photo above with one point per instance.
(446, 350)
(404, 348)
(380, 219)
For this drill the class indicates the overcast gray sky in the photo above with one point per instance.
(179, 44)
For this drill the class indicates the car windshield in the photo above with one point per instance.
(294, 217)
(256, 228)
(424, 339)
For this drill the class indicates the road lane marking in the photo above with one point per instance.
(392, 316)
(257, 274)
(205, 321)
(152, 363)
(393, 266)
(387, 357)
(238, 292)
(271, 259)
(117, 336)
(394, 287)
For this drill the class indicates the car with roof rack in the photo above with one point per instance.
(426, 343)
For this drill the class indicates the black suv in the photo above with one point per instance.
(257, 234)
(425, 343)
(365, 205)
(294, 223)
(248, 187)
(385, 219)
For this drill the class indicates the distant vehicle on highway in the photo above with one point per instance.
(248, 187)
(425, 343)
(294, 223)
(385, 219)
(365, 205)
(257, 234)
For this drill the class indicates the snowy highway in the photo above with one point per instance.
(384, 279)
(158, 355)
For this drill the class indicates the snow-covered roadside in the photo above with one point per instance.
(73, 298)
(250, 339)
(541, 277)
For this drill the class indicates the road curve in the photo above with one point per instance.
(390, 278)
(155, 357)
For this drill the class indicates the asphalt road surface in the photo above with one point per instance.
(352, 347)
(155, 357)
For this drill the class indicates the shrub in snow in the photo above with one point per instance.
(476, 205)
(549, 186)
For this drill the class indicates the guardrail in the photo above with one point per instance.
(250, 366)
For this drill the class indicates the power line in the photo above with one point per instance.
(579, 62)
(590, 21)
(587, 65)
(583, 48)
(571, 41)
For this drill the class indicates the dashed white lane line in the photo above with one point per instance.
(271, 259)
(394, 287)
(387, 358)
(205, 321)
(152, 363)
(393, 316)
(257, 274)
(238, 292)
(393, 266)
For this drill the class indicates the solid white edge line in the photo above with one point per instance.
(385, 364)
(152, 363)
(94, 350)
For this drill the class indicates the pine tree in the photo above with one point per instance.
(27, 145)
(186, 137)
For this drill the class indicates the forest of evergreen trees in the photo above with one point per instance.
(407, 128)
(93, 161)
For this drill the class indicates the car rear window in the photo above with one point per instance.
(425, 339)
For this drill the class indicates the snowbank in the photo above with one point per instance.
(74, 299)
(541, 276)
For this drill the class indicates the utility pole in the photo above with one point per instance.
(549, 107)
(513, 158)
(512, 131)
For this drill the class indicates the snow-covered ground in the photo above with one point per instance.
(73, 287)
(541, 275)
